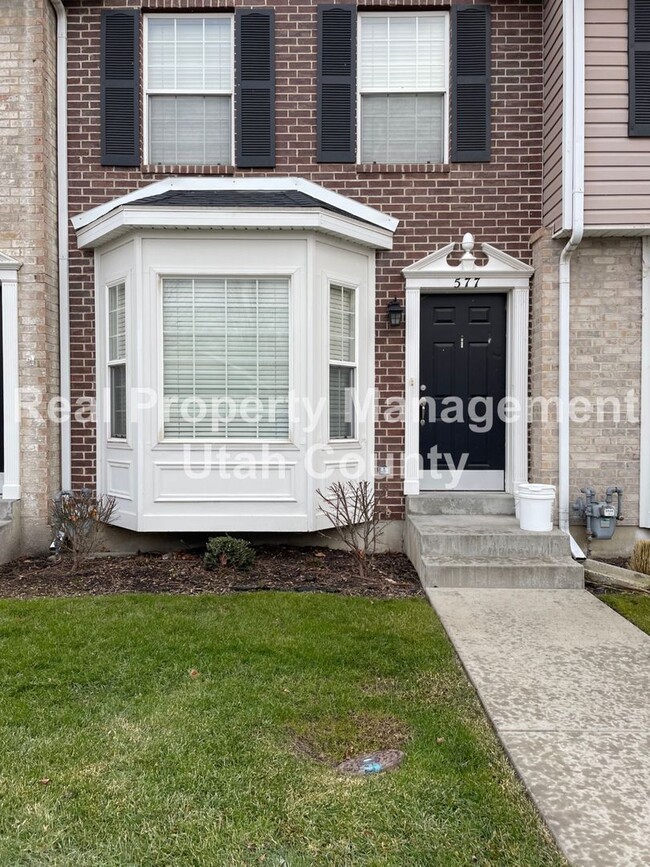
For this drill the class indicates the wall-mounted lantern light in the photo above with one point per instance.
(395, 313)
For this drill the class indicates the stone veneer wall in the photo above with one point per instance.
(605, 363)
(28, 234)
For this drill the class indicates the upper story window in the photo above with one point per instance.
(403, 85)
(189, 89)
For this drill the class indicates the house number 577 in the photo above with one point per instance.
(467, 282)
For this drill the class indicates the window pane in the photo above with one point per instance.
(190, 54)
(226, 358)
(116, 322)
(342, 324)
(118, 400)
(341, 402)
(402, 128)
(402, 52)
(190, 130)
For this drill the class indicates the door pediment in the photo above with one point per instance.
(499, 270)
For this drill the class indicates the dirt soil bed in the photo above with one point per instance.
(276, 568)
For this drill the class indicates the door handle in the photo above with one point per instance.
(423, 407)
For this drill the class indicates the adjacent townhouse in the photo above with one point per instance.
(29, 445)
(297, 230)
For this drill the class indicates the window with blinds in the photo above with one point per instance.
(189, 80)
(226, 358)
(117, 359)
(343, 360)
(403, 74)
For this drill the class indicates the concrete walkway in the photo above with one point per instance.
(566, 682)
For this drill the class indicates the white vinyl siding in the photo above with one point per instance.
(403, 74)
(226, 358)
(342, 364)
(189, 80)
(117, 359)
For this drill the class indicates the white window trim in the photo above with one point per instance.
(445, 96)
(165, 92)
(228, 442)
(352, 364)
(116, 362)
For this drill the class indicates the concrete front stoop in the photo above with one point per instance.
(474, 540)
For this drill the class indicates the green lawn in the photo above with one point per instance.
(633, 606)
(199, 731)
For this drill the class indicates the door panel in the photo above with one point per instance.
(462, 382)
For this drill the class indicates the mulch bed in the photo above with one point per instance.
(280, 567)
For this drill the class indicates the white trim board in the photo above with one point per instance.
(9, 267)
(123, 219)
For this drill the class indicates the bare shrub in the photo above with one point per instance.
(640, 561)
(352, 511)
(77, 520)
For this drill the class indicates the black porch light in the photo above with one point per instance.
(395, 313)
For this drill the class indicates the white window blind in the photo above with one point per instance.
(189, 87)
(117, 359)
(226, 358)
(402, 85)
(342, 367)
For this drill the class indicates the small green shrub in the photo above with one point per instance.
(640, 561)
(226, 551)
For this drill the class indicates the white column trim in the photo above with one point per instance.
(412, 394)
(517, 327)
(11, 402)
(644, 457)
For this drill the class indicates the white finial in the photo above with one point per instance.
(468, 259)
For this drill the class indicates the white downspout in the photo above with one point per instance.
(575, 97)
(62, 204)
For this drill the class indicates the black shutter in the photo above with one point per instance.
(337, 85)
(120, 87)
(470, 82)
(639, 67)
(255, 89)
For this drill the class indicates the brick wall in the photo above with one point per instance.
(605, 363)
(499, 202)
(28, 232)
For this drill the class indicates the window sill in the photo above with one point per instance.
(153, 169)
(403, 168)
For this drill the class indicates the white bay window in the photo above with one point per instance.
(225, 358)
(403, 85)
(189, 84)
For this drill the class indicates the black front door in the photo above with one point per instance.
(462, 385)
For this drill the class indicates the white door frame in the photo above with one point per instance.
(500, 273)
(10, 488)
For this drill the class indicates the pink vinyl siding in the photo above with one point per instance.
(553, 114)
(617, 168)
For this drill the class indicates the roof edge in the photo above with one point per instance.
(316, 191)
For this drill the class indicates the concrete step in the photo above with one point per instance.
(461, 503)
(480, 536)
(514, 572)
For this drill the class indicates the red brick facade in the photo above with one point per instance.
(499, 201)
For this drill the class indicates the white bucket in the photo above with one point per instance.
(536, 507)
